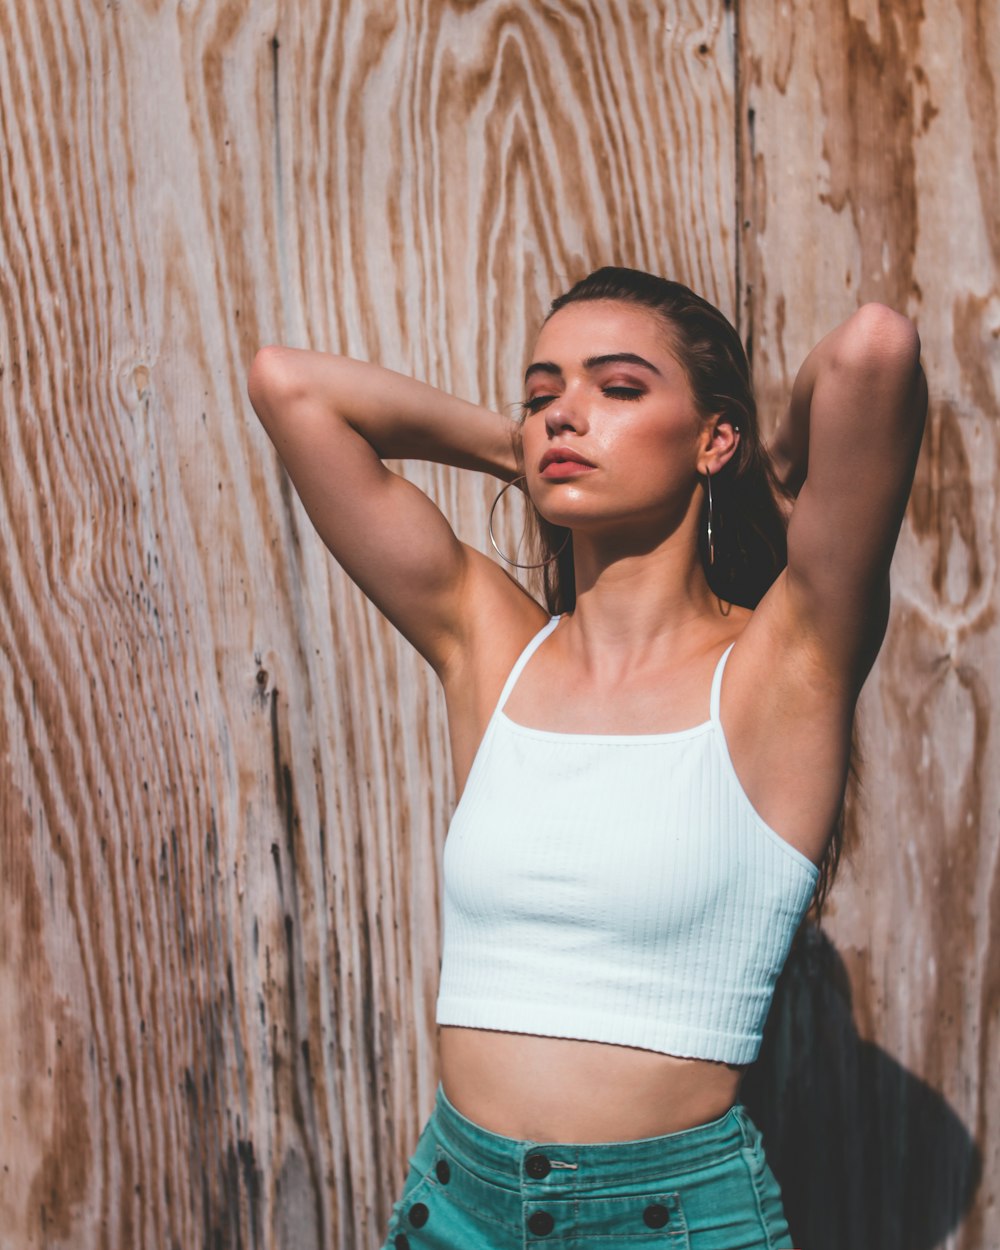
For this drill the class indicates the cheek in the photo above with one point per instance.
(653, 452)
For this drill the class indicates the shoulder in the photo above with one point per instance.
(498, 619)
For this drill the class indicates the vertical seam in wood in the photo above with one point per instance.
(279, 194)
(738, 170)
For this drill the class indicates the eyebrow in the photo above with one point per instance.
(592, 362)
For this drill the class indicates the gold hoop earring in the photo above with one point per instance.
(494, 541)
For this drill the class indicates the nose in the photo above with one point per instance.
(563, 412)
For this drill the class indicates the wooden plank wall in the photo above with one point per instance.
(224, 781)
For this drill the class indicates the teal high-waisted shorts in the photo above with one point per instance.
(704, 1188)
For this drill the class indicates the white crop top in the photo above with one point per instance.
(617, 888)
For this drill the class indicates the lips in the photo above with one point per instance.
(557, 469)
(561, 454)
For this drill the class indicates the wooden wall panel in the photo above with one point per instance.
(870, 172)
(224, 781)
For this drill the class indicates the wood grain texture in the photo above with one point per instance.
(224, 780)
(870, 172)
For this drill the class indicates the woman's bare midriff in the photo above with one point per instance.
(558, 1089)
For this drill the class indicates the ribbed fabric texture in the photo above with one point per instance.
(616, 888)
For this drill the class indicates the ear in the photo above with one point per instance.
(720, 439)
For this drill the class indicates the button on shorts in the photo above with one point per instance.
(704, 1188)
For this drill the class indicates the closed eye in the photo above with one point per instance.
(624, 392)
(536, 402)
(618, 392)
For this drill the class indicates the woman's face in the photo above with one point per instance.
(604, 382)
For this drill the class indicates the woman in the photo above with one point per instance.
(637, 840)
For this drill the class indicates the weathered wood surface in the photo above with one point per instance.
(225, 781)
(870, 169)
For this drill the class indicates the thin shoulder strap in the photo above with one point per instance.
(524, 657)
(717, 683)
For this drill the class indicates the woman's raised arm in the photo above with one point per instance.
(332, 420)
(848, 445)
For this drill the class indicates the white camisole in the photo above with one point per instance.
(617, 888)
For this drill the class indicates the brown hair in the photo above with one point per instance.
(748, 524)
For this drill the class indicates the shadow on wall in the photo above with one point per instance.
(867, 1156)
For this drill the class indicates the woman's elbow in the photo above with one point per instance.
(877, 336)
(271, 378)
